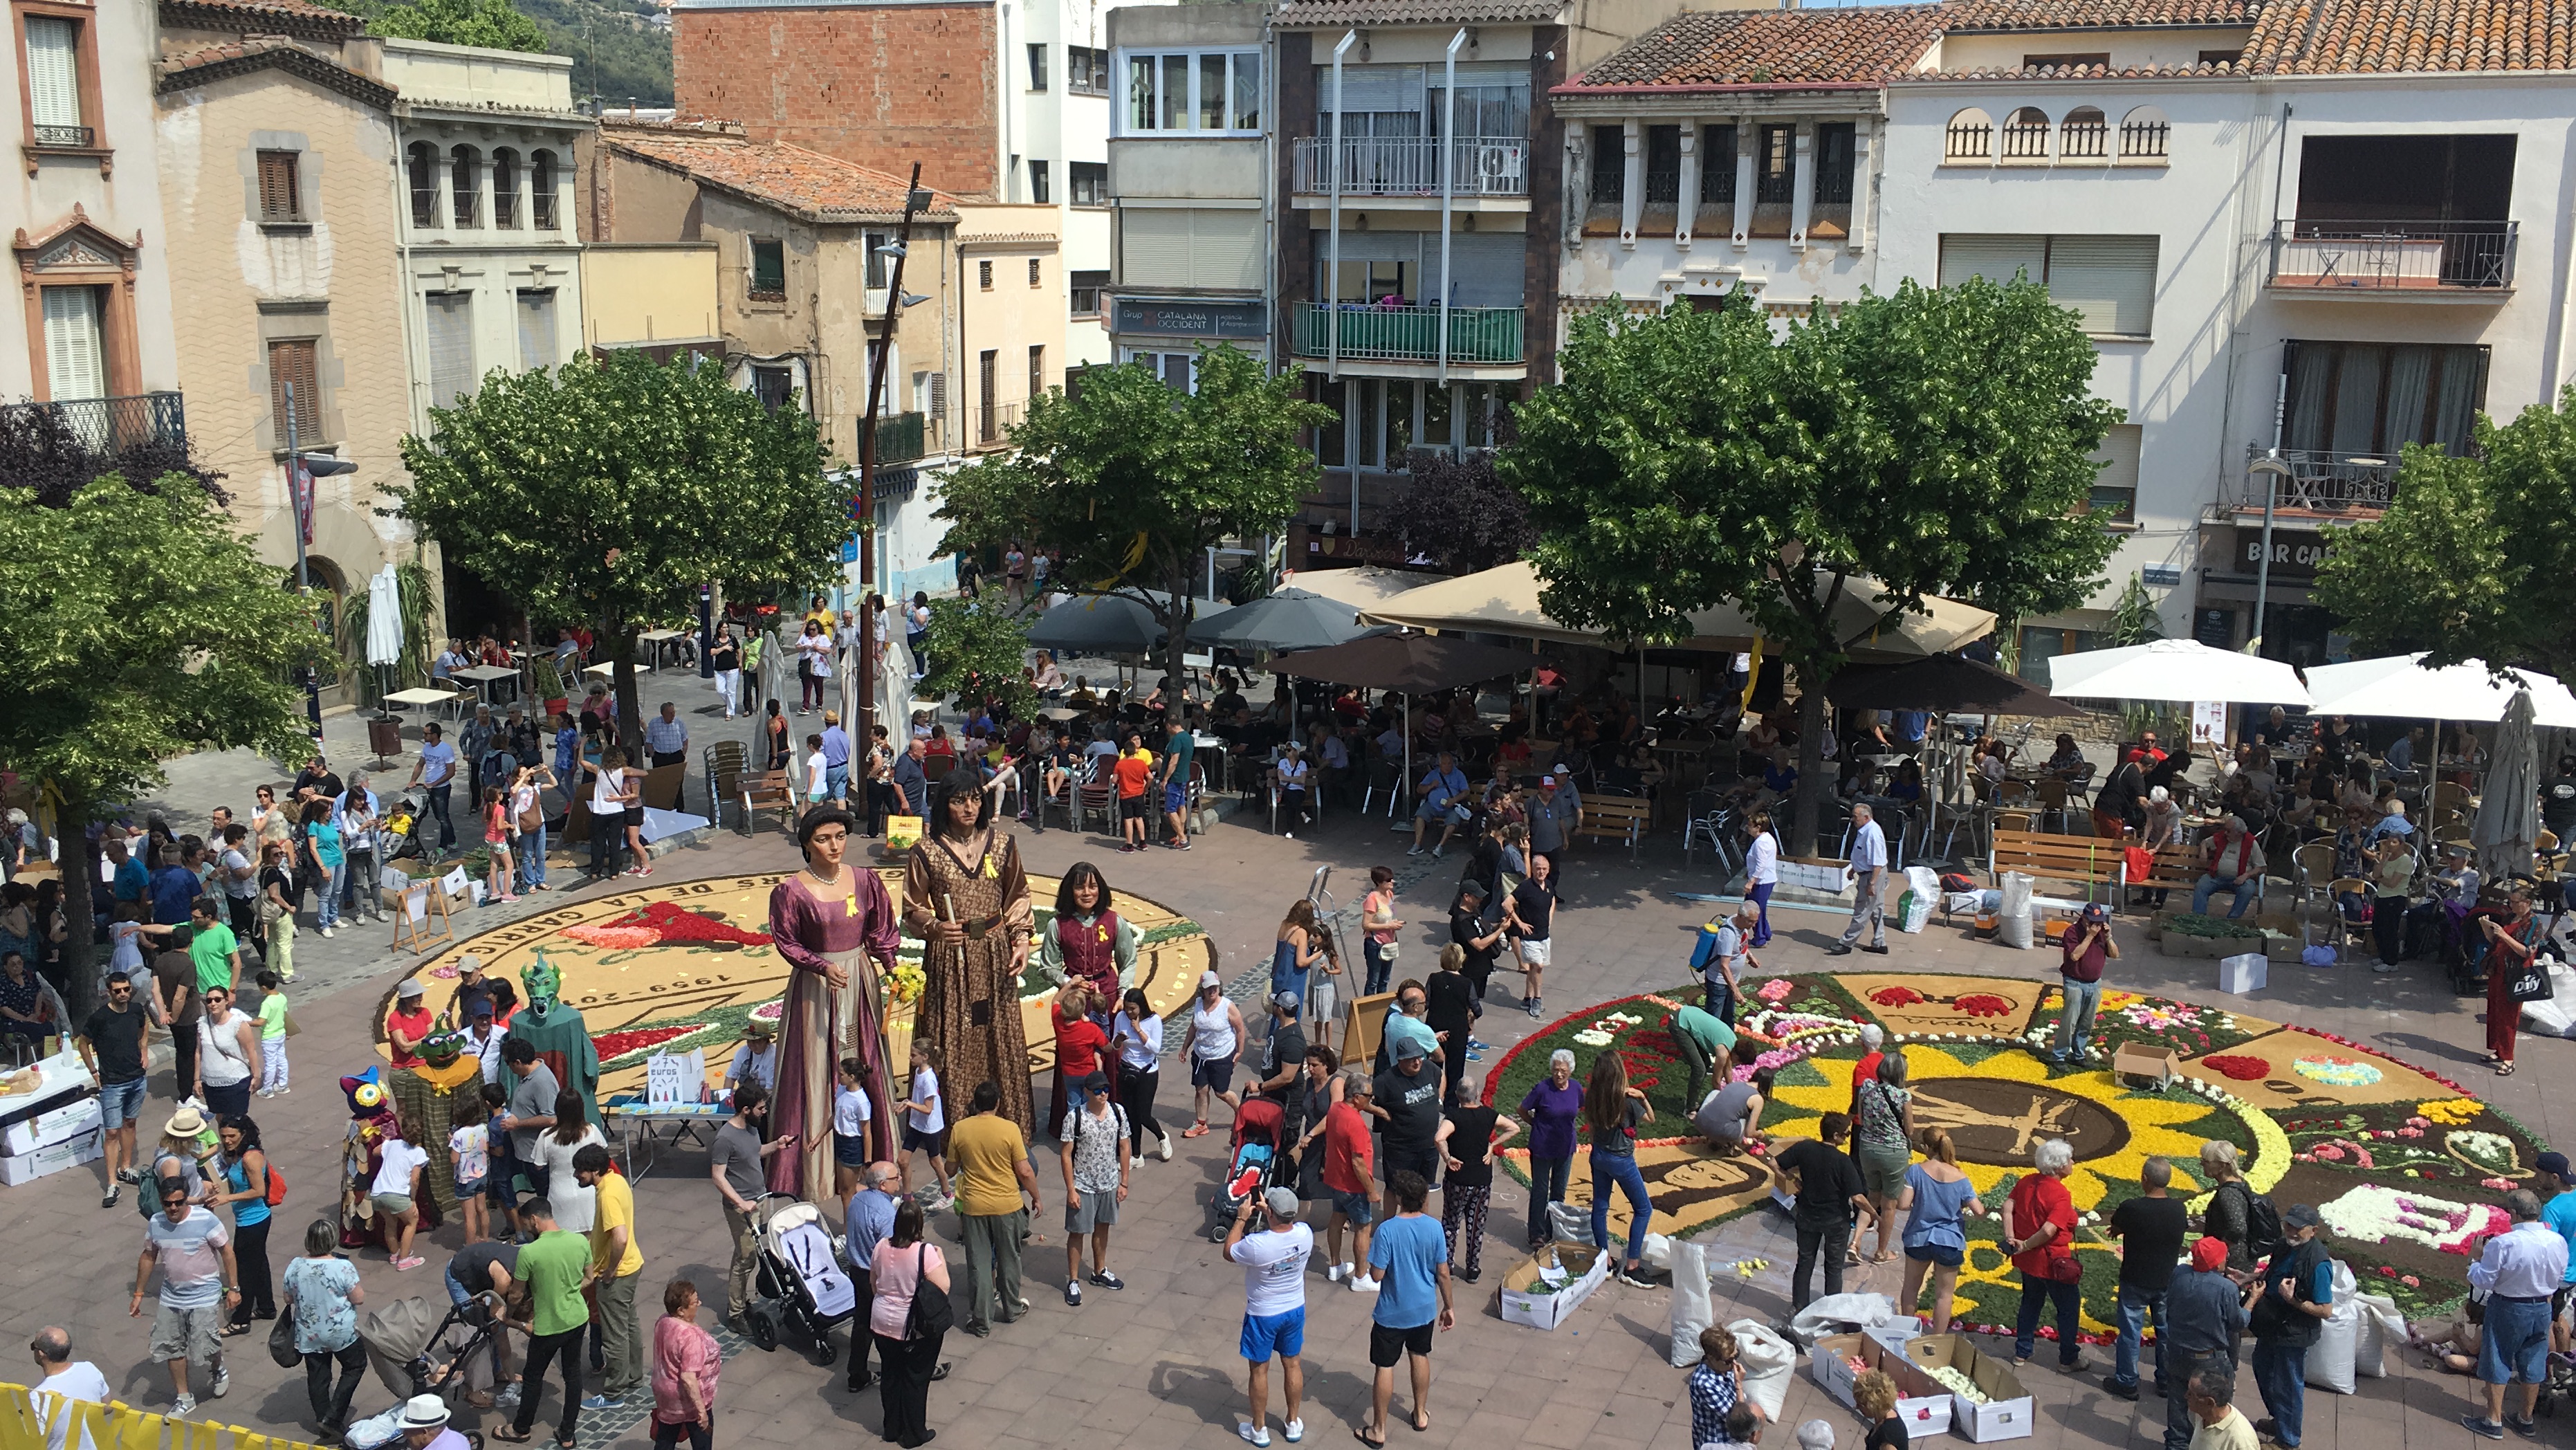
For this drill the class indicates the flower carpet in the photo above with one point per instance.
(687, 965)
(2406, 1166)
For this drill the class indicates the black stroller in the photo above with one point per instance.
(801, 1281)
(413, 1352)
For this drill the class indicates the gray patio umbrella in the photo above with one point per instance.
(2509, 813)
(1099, 624)
(1290, 619)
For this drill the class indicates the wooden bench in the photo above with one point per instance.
(768, 790)
(2177, 868)
(2092, 860)
(1614, 818)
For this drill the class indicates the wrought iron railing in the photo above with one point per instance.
(64, 135)
(900, 437)
(2431, 257)
(2083, 140)
(109, 426)
(2328, 482)
(1410, 165)
(1477, 335)
(2027, 142)
(2143, 138)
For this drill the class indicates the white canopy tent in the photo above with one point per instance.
(2403, 687)
(2174, 669)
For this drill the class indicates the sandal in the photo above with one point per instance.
(1421, 1422)
(2504, 1069)
(1360, 1434)
(235, 1330)
(510, 1434)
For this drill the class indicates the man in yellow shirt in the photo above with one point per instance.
(2210, 1396)
(992, 1162)
(618, 1261)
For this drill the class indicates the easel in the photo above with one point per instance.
(421, 919)
(1363, 1023)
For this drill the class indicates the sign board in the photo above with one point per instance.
(2295, 553)
(674, 1079)
(1148, 317)
(2208, 722)
(416, 903)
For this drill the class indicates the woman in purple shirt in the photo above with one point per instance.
(1551, 1109)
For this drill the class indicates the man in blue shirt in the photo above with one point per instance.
(1910, 725)
(2559, 1212)
(1869, 877)
(1715, 957)
(132, 881)
(870, 1221)
(836, 756)
(1173, 774)
(175, 886)
(1444, 786)
(1410, 1255)
(436, 773)
(911, 782)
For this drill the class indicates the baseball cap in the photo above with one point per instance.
(2207, 1254)
(468, 964)
(1281, 1201)
(2303, 1215)
(2096, 911)
(1209, 979)
(1547, 782)
(409, 989)
(2552, 1163)
(1098, 1082)
(1286, 1002)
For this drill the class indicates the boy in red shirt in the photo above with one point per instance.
(1347, 1175)
(1134, 767)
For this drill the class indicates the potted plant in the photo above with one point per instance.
(549, 683)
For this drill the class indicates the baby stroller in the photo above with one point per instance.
(415, 1352)
(801, 1280)
(1260, 1162)
(398, 830)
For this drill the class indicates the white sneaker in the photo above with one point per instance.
(1363, 1284)
(1336, 1273)
(1296, 1431)
(1166, 1149)
(1254, 1434)
(184, 1405)
(223, 1382)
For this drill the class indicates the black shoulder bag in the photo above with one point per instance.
(931, 1312)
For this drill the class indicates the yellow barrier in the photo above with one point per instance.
(121, 1427)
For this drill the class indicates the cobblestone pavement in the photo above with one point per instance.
(1155, 1366)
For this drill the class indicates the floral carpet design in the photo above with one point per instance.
(2406, 1167)
(686, 965)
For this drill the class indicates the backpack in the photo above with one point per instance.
(276, 1186)
(2263, 1237)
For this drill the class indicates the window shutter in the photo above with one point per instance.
(1488, 267)
(1371, 88)
(537, 329)
(938, 394)
(53, 71)
(278, 201)
(2111, 281)
(1156, 246)
(1995, 258)
(293, 362)
(1225, 249)
(75, 354)
(451, 347)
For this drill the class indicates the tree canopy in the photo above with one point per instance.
(142, 626)
(1931, 442)
(490, 23)
(1133, 482)
(1460, 513)
(2473, 559)
(606, 493)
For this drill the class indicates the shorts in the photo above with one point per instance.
(1359, 1208)
(1132, 807)
(1534, 952)
(469, 1187)
(189, 1334)
(934, 1144)
(1882, 1171)
(1388, 1344)
(1216, 1074)
(1391, 1162)
(1267, 1334)
(2515, 1348)
(393, 1204)
(1319, 999)
(121, 1102)
(635, 816)
(1948, 1258)
(1176, 794)
(1088, 1210)
(850, 1150)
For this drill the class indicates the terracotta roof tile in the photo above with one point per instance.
(1973, 17)
(2366, 37)
(292, 17)
(2082, 73)
(806, 183)
(1861, 46)
(183, 70)
(1302, 14)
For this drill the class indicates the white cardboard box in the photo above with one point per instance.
(2242, 973)
(70, 1153)
(2007, 1413)
(1529, 1300)
(1924, 1407)
(56, 1080)
(53, 1126)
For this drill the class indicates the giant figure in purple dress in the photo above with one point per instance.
(835, 925)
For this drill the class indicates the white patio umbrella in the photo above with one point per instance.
(2403, 687)
(2509, 813)
(2175, 669)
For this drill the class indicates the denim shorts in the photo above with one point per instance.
(1941, 1254)
(2515, 1349)
(121, 1102)
(1357, 1207)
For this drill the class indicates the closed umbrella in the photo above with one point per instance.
(1287, 619)
(384, 618)
(2509, 813)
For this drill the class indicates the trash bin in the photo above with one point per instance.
(384, 737)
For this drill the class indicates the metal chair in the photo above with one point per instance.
(1386, 775)
(2345, 927)
(2052, 801)
(724, 762)
(2315, 862)
(1100, 794)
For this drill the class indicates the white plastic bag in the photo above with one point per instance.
(1769, 1363)
(2331, 1358)
(1692, 1311)
(2013, 924)
(1923, 888)
(1569, 1223)
(2381, 1325)
(2557, 1016)
(1658, 1254)
(1840, 1314)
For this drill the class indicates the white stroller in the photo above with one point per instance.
(802, 1281)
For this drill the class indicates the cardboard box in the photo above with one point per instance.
(1923, 1405)
(52, 1126)
(51, 1083)
(2135, 1064)
(1528, 1300)
(71, 1153)
(2242, 973)
(2007, 1412)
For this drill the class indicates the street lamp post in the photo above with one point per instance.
(299, 489)
(2273, 471)
(914, 200)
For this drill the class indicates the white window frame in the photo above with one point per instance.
(1122, 121)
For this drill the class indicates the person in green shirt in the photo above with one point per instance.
(211, 945)
(1173, 776)
(1707, 1043)
(556, 1268)
(272, 1036)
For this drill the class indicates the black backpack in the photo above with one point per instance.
(2263, 1236)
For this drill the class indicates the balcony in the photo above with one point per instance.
(901, 438)
(1478, 336)
(1478, 166)
(2391, 261)
(992, 423)
(107, 427)
(2358, 484)
(76, 138)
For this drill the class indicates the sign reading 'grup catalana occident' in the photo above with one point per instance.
(1147, 316)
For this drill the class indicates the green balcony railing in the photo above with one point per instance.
(1477, 335)
(900, 437)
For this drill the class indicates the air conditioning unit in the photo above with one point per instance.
(1499, 168)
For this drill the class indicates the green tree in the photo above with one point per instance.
(490, 23)
(2474, 558)
(142, 626)
(1460, 513)
(1133, 482)
(977, 649)
(1935, 442)
(608, 492)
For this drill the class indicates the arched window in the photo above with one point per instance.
(2026, 134)
(2143, 132)
(2084, 133)
(423, 163)
(467, 184)
(541, 189)
(1971, 137)
(505, 188)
